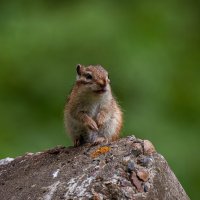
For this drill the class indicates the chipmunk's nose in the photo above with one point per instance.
(102, 83)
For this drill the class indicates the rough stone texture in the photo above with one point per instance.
(126, 169)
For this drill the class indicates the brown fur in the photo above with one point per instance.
(91, 113)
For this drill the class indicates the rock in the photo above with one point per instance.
(145, 161)
(143, 175)
(137, 149)
(136, 182)
(99, 172)
(5, 161)
(131, 166)
(145, 188)
(149, 149)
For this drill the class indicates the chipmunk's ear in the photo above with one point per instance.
(78, 69)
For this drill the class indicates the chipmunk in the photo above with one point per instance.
(91, 113)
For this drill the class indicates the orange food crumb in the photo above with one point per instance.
(101, 150)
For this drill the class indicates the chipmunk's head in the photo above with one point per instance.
(94, 78)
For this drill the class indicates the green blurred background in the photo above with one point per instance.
(150, 48)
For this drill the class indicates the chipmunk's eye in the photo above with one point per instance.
(88, 76)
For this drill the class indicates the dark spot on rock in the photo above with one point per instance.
(66, 151)
(99, 178)
(62, 196)
(144, 161)
(127, 154)
(136, 152)
(107, 160)
(56, 150)
(146, 188)
(96, 162)
(131, 166)
(44, 190)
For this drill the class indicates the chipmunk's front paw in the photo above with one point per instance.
(100, 120)
(92, 125)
